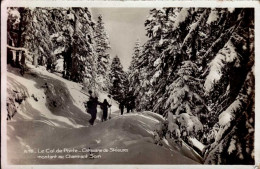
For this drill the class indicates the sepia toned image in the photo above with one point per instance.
(117, 85)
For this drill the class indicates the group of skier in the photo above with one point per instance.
(128, 104)
(92, 103)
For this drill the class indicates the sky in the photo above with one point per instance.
(124, 26)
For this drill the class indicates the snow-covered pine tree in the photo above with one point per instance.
(155, 27)
(83, 52)
(185, 100)
(196, 54)
(37, 38)
(118, 79)
(49, 34)
(133, 71)
(135, 58)
(234, 109)
(103, 60)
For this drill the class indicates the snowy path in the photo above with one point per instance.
(40, 127)
(132, 132)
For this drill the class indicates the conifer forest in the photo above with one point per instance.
(188, 96)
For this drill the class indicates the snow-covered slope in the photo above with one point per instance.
(51, 97)
(53, 116)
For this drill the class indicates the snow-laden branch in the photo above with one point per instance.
(195, 27)
(216, 46)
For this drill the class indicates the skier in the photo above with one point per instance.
(93, 110)
(88, 104)
(132, 104)
(127, 107)
(121, 107)
(110, 101)
(130, 107)
(105, 106)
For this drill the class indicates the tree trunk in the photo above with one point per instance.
(19, 38)
(74, 68)
(10, 59)
(23, 55)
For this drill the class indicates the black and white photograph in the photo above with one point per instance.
(123, 85)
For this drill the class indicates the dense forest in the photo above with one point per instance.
(49, 34)
(196, 69)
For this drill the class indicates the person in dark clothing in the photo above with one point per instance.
(105, 106)
(132, 103)
(128, 107)
(93, 110)
(131, 107)
(88, 104)
(121, 107)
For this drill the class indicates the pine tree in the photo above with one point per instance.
(235, 107)
(49, 34)
(188, 71)
(135, 56)
(83, 56)
(102, 47)
(118, 79)
(38, 37)
(133, 70)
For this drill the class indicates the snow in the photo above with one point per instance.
(60, 38)
(133, 131)
(193, 27)
(181, 18)
(231, 10)
(71, 16)
(226, 55)
(41, 104)
(59, 50)
(154, 78)
(172, 126)
(14, 14)
(189, 123)
(161, 41)
(155, 29)
(157, 74)
(196, 143)
(55, 35)
(213, 16)
(228, 115)
(154, 115)
(59, 65)
(232, 146)
(225, 118)
(35, 19)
